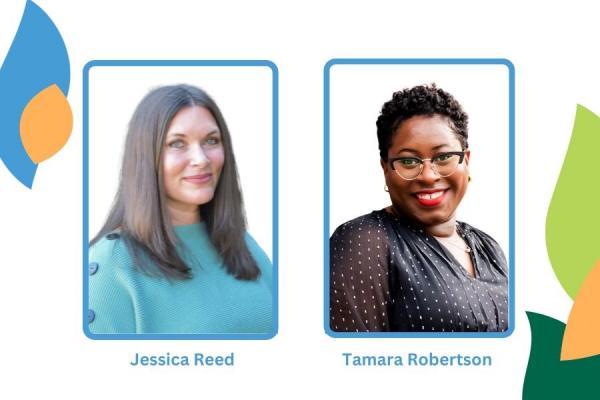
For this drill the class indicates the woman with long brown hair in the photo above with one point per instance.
(173, 255)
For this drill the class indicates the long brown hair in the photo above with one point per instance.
(139, 210)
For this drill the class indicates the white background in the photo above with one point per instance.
(244, 96)
(44, 352)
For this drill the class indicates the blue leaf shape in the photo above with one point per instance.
(36, 59)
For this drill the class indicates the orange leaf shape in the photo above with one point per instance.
(582, 333)
(46, 124)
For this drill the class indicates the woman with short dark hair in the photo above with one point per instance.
(412, 266)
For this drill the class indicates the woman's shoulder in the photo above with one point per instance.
(366, 225)
(111, 254)
(257, 252)
(482, 238)
(468, 229)
(108, 245)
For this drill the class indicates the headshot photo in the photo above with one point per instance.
(180, 221)
(411, 258)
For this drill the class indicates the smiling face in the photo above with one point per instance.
(192, 160)
(429, 199)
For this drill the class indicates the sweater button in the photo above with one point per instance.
(93, 268)
(91, 316)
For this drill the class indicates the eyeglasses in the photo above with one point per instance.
(443, 164)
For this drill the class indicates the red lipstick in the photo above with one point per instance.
(431, 198)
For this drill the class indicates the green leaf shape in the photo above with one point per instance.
(573, 219)
(549, 378)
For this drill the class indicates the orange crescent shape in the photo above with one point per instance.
(582, 333)
(46, 124)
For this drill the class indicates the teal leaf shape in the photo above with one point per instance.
(573, 219)
(549, 378)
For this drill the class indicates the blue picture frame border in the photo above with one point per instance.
(511, 191)
(275, 182)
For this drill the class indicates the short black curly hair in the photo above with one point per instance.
(420, 100)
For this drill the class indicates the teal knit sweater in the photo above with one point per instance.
(124, 300)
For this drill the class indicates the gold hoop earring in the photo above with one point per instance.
(469, 178)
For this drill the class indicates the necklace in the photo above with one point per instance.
(463, 246)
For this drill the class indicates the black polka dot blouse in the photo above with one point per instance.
(389, 275)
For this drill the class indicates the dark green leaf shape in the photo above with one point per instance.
(549, 378)
(573, 220)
